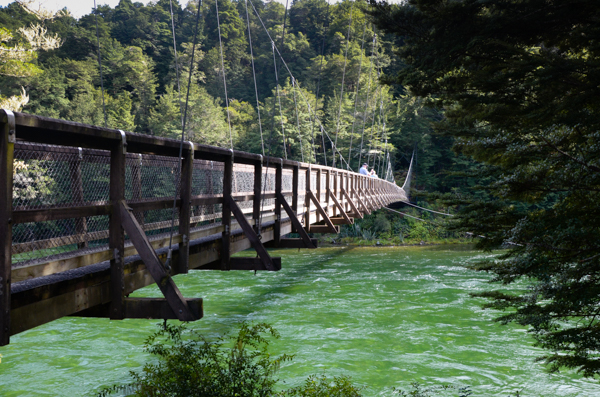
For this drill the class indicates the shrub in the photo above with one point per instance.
(321, 386)
(193, 366)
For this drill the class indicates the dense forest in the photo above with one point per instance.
(337, 58)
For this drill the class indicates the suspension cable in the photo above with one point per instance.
(362, 137)
(262, 141)
(279, 100)
(292, 75)
(425, 209)
(183, 122)
(372, 127)
(410, 216)
(317, 93)
(337, 128)
(297, 118)
(100, 66)
(176, 62)
(356, 93)
(224, 79)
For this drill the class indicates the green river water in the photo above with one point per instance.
(385, 316)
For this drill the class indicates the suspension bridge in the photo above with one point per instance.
(91, 214)
(86, 217)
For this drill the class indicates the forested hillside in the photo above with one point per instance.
(139, 75)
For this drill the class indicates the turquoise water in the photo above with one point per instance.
(385, 316)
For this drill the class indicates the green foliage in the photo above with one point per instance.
(515, 82)
(322, 386)
(190, 365)
(419, 390)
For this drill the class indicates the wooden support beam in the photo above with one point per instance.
(263, 256)
(296, 223)
(297, 243)
(51, 214)
(339, 220)
(295, 181)
(116, 239)
(239, 263)
(162, 278)
(185, 210)
(278, 197)
(7, 150)
(307, 200)
(321, 211)
(147, 308)
(318, 187)
(355, 211)
(343, 214)
(324, 229)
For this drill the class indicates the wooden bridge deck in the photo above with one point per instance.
(86, 215)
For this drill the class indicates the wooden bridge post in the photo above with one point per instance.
(295, 181)
(307, 201)
(346, 187)
(318, 191)
(116, 239)
(7, 152)
(335, 190)
(226, 213)
(278, 191)
(77, 189)
(185, 211)
(327, 189)
(256, 202)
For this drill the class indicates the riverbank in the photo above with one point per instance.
(336, 241)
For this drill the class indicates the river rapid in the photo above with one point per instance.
(384, 316)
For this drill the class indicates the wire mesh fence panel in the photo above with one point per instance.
(287, 180)
(243, 183)
(37, 241)
(207, 180)
(268, 187)
(159, 176)
(301, 192)
(47, 176)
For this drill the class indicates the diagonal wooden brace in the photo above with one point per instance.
(366, 209)
(321, 211)
(164, 281)
(339, 206)
(295, 222)
(352, 205)
(263, 255)
(365, 203)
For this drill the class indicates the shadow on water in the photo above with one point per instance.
(284, 281)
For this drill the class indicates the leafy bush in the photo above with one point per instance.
(381, 224)
(193, 366)
(434, 391)
(419, 232)
(321, 386)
